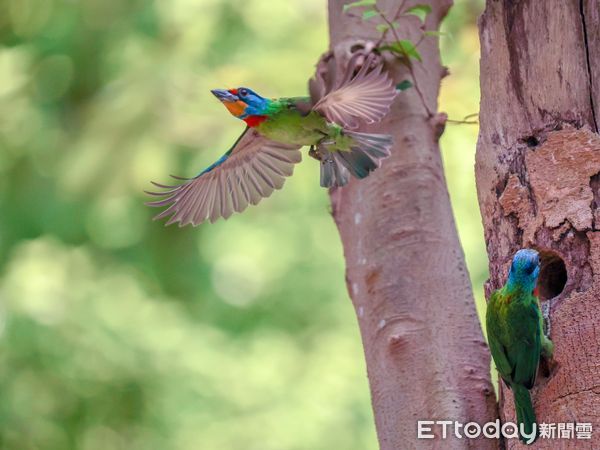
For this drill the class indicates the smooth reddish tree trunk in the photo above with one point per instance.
(538, 178)
(406, 274)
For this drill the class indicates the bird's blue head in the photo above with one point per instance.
(242, 102)
(524, 270)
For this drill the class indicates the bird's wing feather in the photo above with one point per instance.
(497, 350)
(251, 170)
(365, 97)
(525, 354)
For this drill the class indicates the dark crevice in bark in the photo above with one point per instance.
(588, 64)
(531, 141)
(595, 186)
(593, 389)
(513, 24)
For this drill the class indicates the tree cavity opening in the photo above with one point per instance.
(553, 275)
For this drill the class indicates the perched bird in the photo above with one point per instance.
(269, 147)
(515, 334)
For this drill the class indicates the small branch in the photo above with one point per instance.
(465, 120)
(396, 17)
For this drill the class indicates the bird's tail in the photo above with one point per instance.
(525, 413)
(363, 156)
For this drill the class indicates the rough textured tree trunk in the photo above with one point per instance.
(538, 178)
(406, 274)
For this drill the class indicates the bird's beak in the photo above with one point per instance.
(224, 95)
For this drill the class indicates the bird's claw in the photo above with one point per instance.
(547, 344)
(314, 153)
(545, 307)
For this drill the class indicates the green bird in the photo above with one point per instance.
(269, 147)
(516, 337)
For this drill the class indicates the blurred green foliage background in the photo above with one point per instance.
(119, 333)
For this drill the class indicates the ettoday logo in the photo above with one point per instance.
(493, 430)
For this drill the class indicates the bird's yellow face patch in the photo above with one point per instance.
(236, 108)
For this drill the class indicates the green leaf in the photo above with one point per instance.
(383, 27)
(403, 47)
(404, 85)
(359, 3)
(420, 11)
(369, 13)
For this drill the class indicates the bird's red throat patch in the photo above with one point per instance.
(254, 121)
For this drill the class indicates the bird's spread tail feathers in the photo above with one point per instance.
(364, 156)
(525, 414)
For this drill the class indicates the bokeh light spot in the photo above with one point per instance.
(237, 279)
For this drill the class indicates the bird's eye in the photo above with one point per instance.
(530, 268)
(243, 92)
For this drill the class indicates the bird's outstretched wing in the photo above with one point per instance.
(251, 170)
(349, 99)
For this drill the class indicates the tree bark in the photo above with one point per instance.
(406, 274)
(538, 178)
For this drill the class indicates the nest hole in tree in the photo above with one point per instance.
(532, 141)
(553, 275)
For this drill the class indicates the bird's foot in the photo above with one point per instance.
(314, 153)
(548, 364)
(545, 307)
(547, 345)
(547, 355)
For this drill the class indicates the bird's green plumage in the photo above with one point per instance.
(287, 121)
(513, 324)
(515, 337)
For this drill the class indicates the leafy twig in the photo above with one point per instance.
(406, 53)
(403, 49)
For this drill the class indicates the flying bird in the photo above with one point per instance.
(276, 130)
(516, 337)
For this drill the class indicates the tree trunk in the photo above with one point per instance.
(538, 178)
(406, 274)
